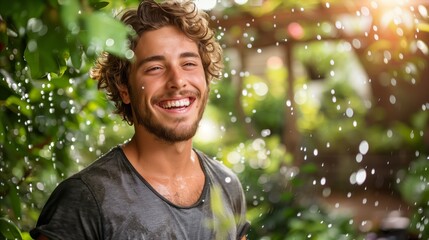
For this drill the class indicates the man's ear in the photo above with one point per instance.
(123, 92)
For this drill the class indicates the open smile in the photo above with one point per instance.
(176, 103)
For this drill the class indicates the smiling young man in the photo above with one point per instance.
(155, 186)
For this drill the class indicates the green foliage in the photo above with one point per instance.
(9, 230)
(56, 33)
(54, 121)
(414, 188)
(275, 191)
(314, 223)
(50, 110)
(223, 223)
(265, 108)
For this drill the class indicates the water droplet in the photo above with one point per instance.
(40, 186)
(326, 192)
(392, 99)
(35, 25)
(359, 157)
(360, 176)
(32, 45)
(363, 147)
(110, 42)
(376, 37)
(389, 133)
(323, 181)
(227, 179)
(349, 112)
(265, 132)
(129, 54)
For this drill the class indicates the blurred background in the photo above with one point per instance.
(322, 111)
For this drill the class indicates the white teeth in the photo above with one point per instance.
(177, 103)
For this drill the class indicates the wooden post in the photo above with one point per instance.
(290, 133)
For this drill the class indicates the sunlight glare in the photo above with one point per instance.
(208, 131)
(240, 2)
(206, 4)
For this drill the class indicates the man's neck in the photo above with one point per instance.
(150, 155)
(172, 169)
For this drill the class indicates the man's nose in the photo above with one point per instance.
(176, 79)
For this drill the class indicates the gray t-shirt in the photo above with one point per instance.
(110, 200)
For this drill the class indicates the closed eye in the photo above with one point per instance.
(190, 65)
(152, 69)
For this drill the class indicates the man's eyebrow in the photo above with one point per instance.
(150, 59)
(162, 58)
(189, 54)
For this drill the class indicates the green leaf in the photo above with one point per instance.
(99, 5)
(222, 221)
(2, 128)
(308, 168)
(6, 89)
(76, 54)
(113, 39)
(61, 82)
(40, 63)
(17, 105)
(20, 16)
(70, 14)
(47, 56)
(9, 230)
(14, 200)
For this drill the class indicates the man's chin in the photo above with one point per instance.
(174, 138)
(172, 135)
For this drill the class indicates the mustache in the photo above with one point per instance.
(180, 93)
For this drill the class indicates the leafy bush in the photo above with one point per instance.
(52, 115)
(414, 189)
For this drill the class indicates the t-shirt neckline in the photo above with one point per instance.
(200, 200)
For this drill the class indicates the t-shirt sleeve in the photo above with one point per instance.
(71, 212)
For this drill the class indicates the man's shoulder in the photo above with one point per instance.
(103, 171)
(101, 176)
(213, 163)
(105, 162)
(217, 170)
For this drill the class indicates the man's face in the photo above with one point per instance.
(167, 86)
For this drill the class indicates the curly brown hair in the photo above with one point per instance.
(112, 71)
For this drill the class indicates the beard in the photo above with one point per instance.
(145, 118)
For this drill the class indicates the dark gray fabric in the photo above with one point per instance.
(110, 200)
